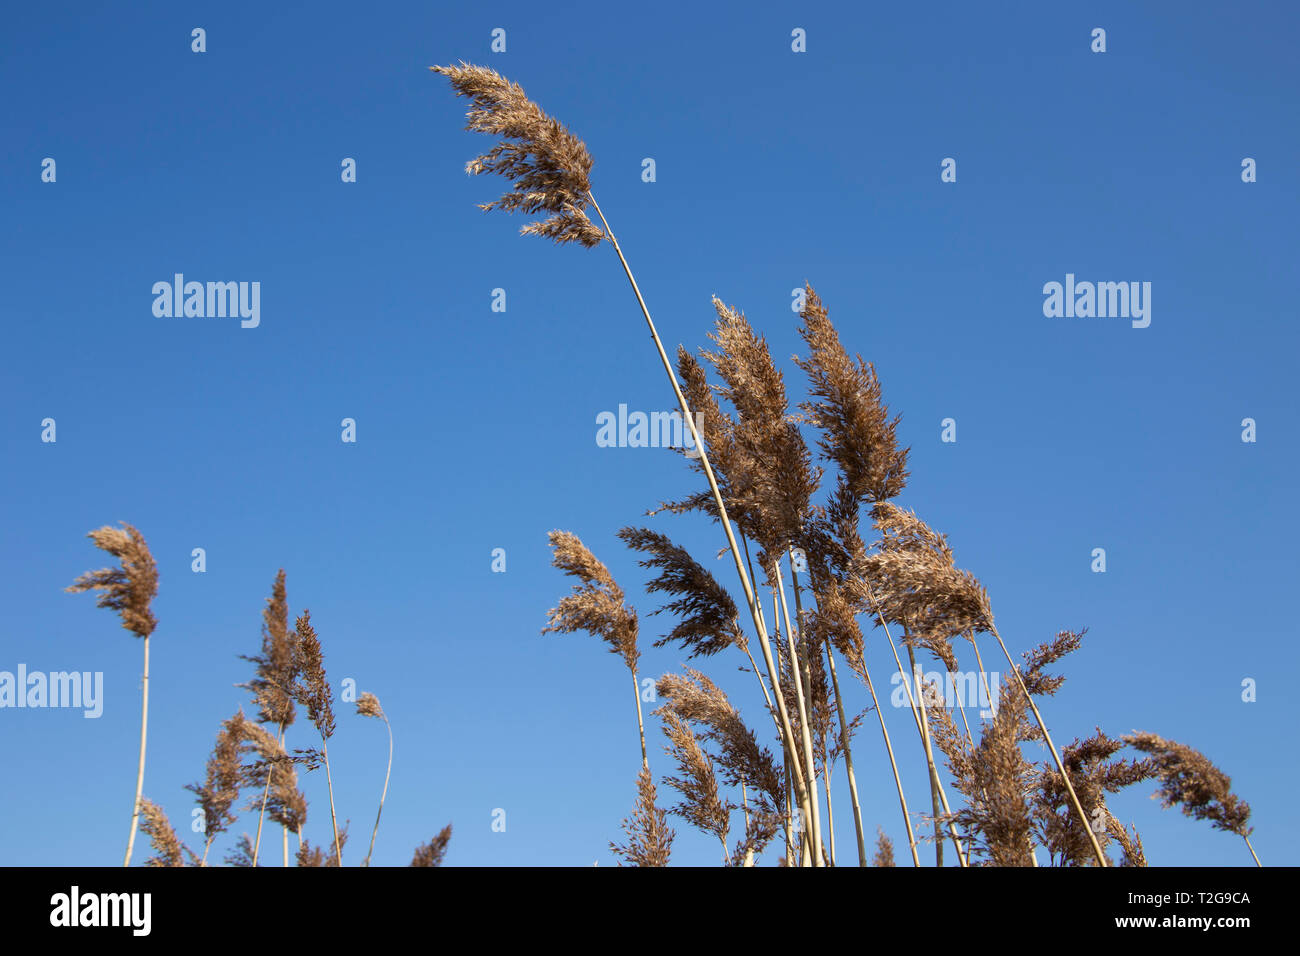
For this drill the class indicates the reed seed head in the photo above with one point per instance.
(710, 621)
(432, 853)
(168, 849)
(129, 589)
(1188, 779)
(597, 602)
(848, 408)
(311, 689)
(548, 166)
(368, 706)
(649, 837)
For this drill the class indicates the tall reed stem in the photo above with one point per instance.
(929, 759)
(805, 709)
(1251, 849)
(383, 796)
(139, 775)
(893, 764)
(329, 782)
(750, 597)
(640, 723)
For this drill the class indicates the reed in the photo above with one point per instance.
(129, 590)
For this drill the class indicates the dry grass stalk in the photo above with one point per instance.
(551, 170)
(649, 838)
(220, 789)
(311, 689)
(432, 853)
(598, 607)
(368, 706)
(272, 687)
(129, 590)
(549, 166)
(1188, 779)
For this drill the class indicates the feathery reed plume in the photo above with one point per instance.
(220, 789)
(917, 585)
(782, 488)
(312, 691)
(702, 806)
(696, 699)
(710, 622)
(649, 837)
(1095, 773)
(549, 167)
(168, 849)
(431, 853)
(884, 849)
(1188, 779)
(760, 827)
(596, 606)
(272, 687)
(242, 852)
(859, 434)
(309, 855)
(734, 468)
(1130, 843)
(994, 777)
(129, 590)
(286, 805)
(368, 706)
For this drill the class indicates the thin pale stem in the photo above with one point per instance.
(848, 758)
(383, 796)
(329, 781)
(830, 813)
(1251, 849)
(929, 760)
(907, 685)
(805, 728)
(751, 598)
(640, 723)
(893, 764)
(284, 830)
(257, 842)
(139, 776)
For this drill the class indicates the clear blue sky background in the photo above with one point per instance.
(477, 429)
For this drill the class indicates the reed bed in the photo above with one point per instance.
(249, 758)
(832, 578)
(792, 519)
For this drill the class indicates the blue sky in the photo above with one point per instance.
(476, 429)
